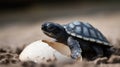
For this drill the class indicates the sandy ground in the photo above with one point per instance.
(18, 35)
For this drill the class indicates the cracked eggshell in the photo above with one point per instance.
(43, 51)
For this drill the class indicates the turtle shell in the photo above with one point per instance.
(86, 32)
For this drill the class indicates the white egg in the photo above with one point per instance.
(44, 52)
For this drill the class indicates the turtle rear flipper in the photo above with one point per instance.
(99, 52)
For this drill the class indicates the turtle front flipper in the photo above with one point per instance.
(74, 47)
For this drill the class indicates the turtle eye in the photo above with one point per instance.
(51, 28)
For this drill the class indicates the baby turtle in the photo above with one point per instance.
(82, 39)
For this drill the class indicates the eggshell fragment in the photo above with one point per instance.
(43, 51)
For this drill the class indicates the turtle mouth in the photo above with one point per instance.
(49, 34)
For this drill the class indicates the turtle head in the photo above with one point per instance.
(53, 30)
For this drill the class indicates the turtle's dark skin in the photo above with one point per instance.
(79, 44)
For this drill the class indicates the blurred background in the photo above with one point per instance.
(20, 20)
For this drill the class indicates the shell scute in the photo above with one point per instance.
(85, 31)
(88, 25)
(93, 33)
(78, 30)
(77, 23)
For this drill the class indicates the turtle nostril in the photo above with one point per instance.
(43, 27)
